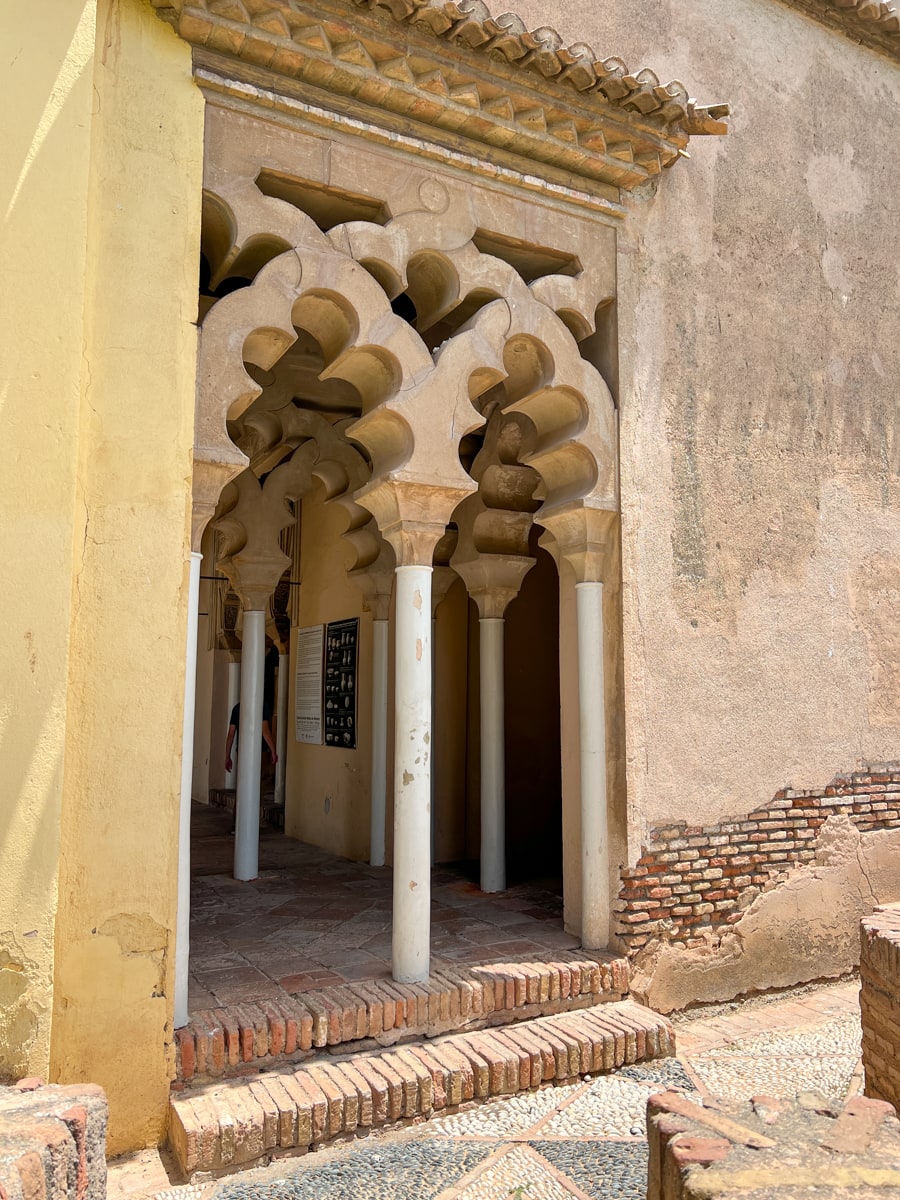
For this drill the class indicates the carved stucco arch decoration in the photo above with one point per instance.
(389, 249)
(310, 286)
(244, 214)
(252, 514)
(566, 402)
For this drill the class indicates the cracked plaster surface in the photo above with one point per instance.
(805, 927)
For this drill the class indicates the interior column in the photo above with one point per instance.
(493, 764)
(378, 815)
(595, 908)
(246, 840)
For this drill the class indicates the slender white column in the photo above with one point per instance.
(433, 687)
(379, 741)
(595, 900)
(493, 782)
(234, 695)
(183, 910)
(281, 728)
(246, 841)
(412, 776)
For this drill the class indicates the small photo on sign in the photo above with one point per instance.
(339, 684)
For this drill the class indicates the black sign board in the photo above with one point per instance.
(341, 643)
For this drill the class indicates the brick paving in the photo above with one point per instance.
(277, 1112)
(314, 920)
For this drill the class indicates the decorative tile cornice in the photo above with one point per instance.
(871, 22)
(468, 76)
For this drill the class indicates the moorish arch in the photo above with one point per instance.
(416, 408)
(437, 231)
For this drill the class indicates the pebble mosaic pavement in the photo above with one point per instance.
(584, 1140)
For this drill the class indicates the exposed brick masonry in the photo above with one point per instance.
(879, 974)
(230, 1041)
(287, 1111)
(52, 1142)
(691, 877)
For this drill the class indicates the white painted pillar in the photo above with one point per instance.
(246, 841)
(412, 776)
(433, 690)
(234, 695)
(281, 727)
(595, 900)
(183, 910)
(378, 816)
(493, 764)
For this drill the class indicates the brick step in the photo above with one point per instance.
(287, 1111)
(231, 1041)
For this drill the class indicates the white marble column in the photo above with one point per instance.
(412, 775)
(246, 841)
(595, 898)
(183, 911)
(281, 727)
(379, 741)
(234, 695)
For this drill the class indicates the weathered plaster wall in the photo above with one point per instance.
(806, 928)
(46, 82)
(759, 418)
(112, 1018)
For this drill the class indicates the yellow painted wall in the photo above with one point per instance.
(327, 789)
(112, 1020)
(46, 82)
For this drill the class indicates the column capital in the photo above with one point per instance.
(212, 471)
(582, 537)
(253, 578)
(492, 580)
(376, 582)
(377, 588)
(412, 516)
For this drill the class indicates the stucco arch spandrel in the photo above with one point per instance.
(414, 436)
(250, 214)
(574, 447)
(388, 251)
(580, 294)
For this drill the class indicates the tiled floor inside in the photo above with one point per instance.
(312, 919)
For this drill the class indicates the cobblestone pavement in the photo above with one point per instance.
(584, 1140)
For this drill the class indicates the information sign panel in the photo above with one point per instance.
(341, 644)
(308, 685)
